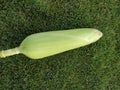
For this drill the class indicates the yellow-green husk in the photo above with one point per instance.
(45, 44)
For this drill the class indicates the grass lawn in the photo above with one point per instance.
(93, 67)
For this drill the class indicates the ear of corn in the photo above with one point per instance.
(45, 44)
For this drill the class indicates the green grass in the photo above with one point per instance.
(94, 67)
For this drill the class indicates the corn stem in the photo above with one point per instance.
(9, 52)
